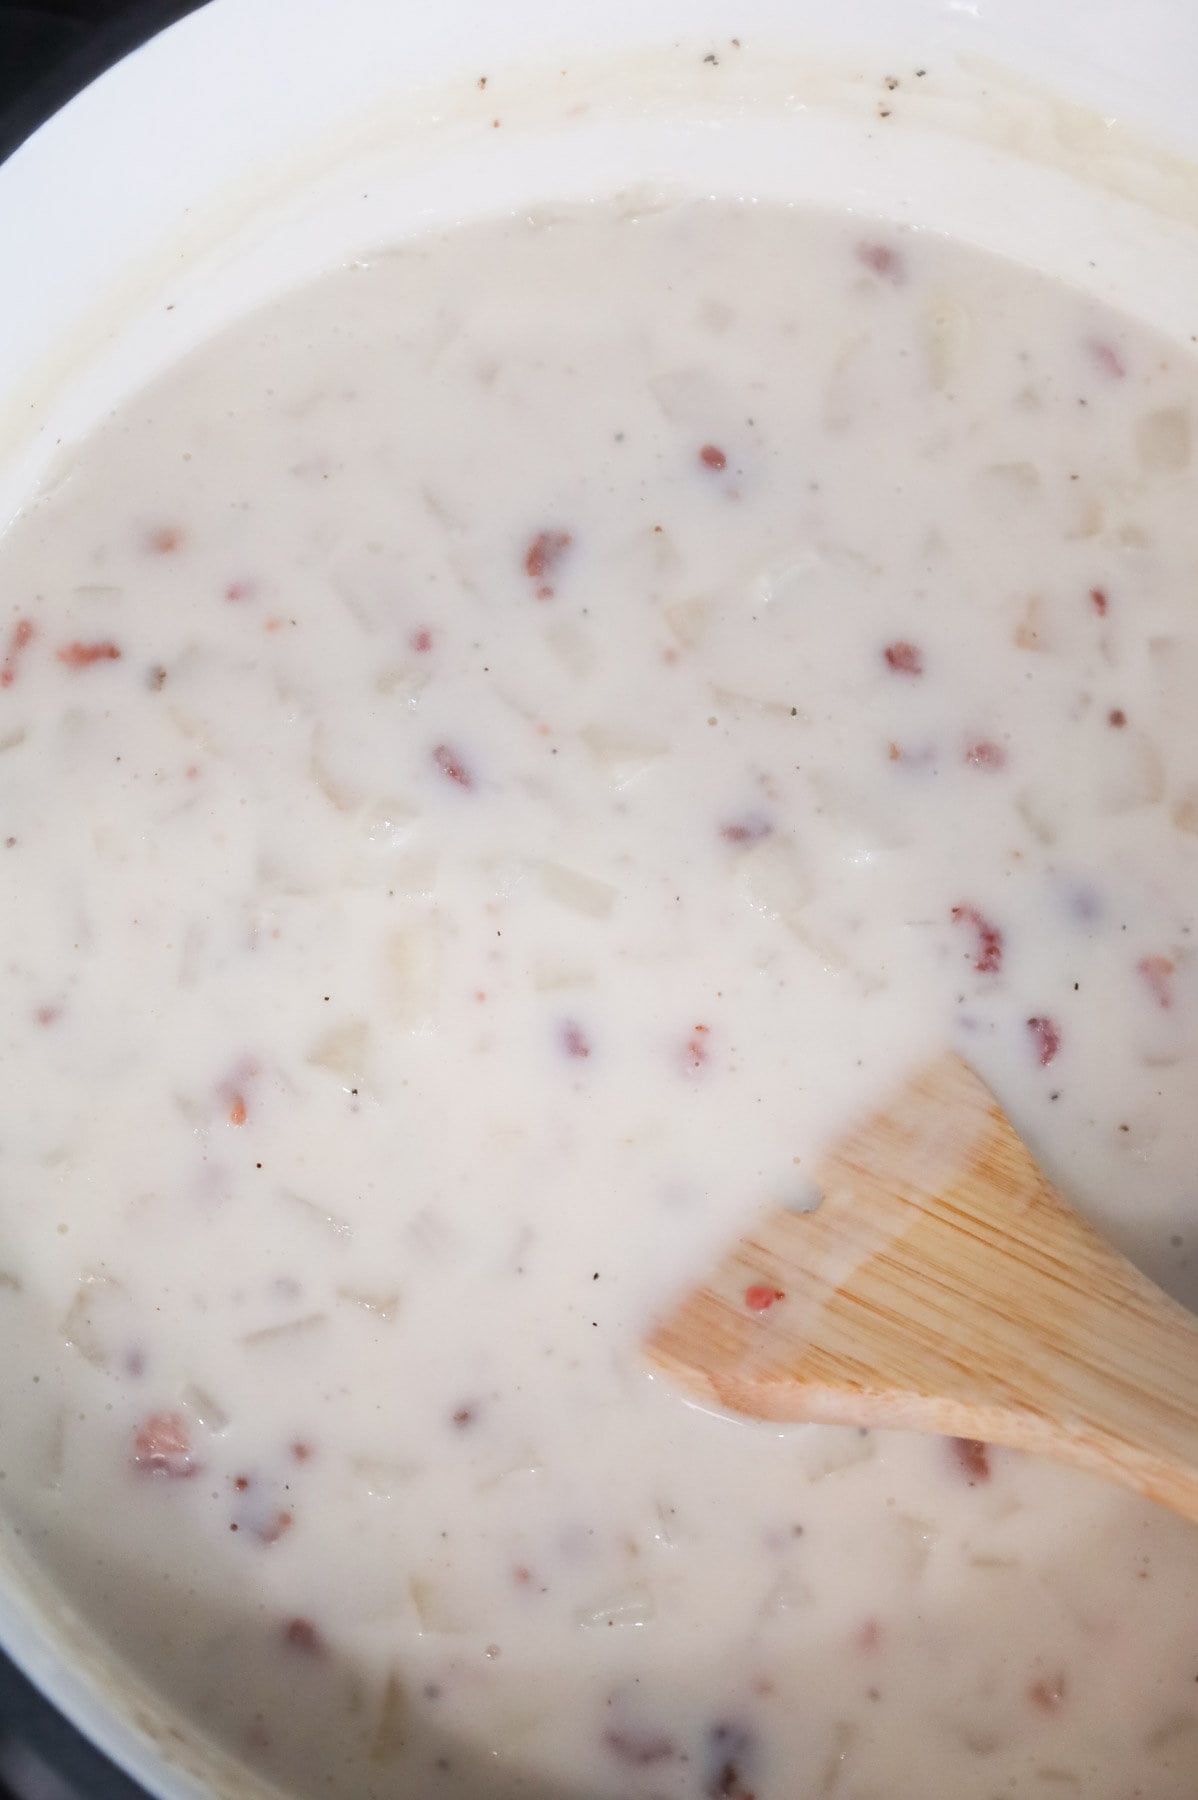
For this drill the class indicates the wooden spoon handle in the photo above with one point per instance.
(944, 1285)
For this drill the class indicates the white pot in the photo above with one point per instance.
(260, 141)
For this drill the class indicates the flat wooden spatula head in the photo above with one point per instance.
(943, 1284)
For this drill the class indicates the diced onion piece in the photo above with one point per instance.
(405, 683)
(438, 1606)
(787, 1595)
(1010, 486)
(92, 1320)
(916, 1539)
(773, 877)
(733, 701)
(380, 1478)
(549, 977)
(319, 1214)
(688, 620)
(633, 1606)
(581, 893)
(1185, 810)
(287, 1331)
(947, 334)
(383, 1306)
(840, 1447)
(683, 395)
(344, 1050)
(210, 1414)
(571, 644)
(1163, 441)
(412, 958)
(623, 756)
(391, 1727)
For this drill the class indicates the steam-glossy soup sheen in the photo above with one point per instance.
(501, 756)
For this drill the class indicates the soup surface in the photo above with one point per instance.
(501, 755)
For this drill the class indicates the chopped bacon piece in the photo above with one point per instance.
(696, 1049)
(452, 766)
(1099, 601)
(759, 1298)
(1158, 972)
(81, 656)
(904, 658)
(985, 754)
(972, 1458)
(987, 959)
(543, 555)
(1046, 1038)
(164, 539)
(749, 830)
(638, 1749)
(241, 590)
(1117, 718)
(422, 640)
(162, 1446)
(712, 457)
(574, 1040)
(19, 639)
(1108, 359)
(301, 1634)
(237, 1111)
(882, 260)
(1048, 1693)
(272, 1529)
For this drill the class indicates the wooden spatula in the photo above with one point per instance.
(943, 1284)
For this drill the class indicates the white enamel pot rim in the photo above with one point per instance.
(258, 141)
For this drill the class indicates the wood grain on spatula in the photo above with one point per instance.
(943, 1284)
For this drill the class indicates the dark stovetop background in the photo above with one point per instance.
(48, 50)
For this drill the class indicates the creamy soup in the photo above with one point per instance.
(501, 756)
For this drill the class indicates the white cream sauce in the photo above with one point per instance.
(500, 756)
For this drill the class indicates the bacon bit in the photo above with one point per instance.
(1117, 718)
(241, 1483)
(760, 1298)
(301, 1634)
(46, 1015)
(1046, 1039)
(574, 1040)
(521, 1575)
(241, 590)
(869, 1637)
(237, 1112)
(894, 753)
(464, 1416)
(696, 1049)
(301, 1451)
(904, 658)
(1108, 359)
(451, 765)
(19, 639)
(162, 1446)
(972, 1458)
(1048, 1693)
(542, 557)
(422, 640)
(712, 457)
(81, 656)
(988, 951)
(1099, 601)
(985, 754)
(164, 539)
(275, 1528)
(1158, 972)
(749, 830)
(882, 260)
(638, 1749)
